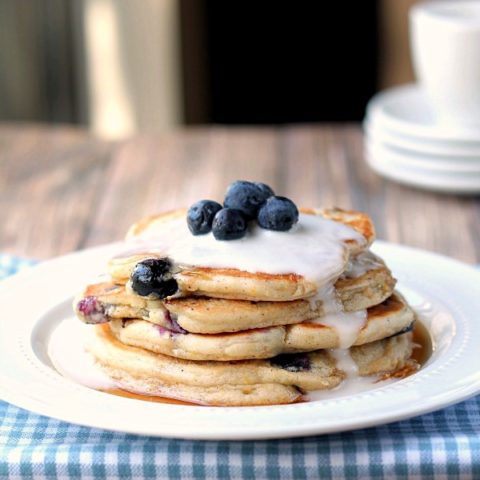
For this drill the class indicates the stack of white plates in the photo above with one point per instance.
(404, 142)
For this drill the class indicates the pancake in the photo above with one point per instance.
(384, 320)
(367, 282)
(359, 221)
(225, 283)
(233, 283)
(250, 382)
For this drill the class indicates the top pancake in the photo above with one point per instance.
(233, 283)
(359, 221)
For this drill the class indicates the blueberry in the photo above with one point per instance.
(229, 224)
(293, 362)
(153, 277)
(407, 329)
(265, 188)
(278, 213)
(200, 216)
(92, 311)
(172, 323)
(247, 197)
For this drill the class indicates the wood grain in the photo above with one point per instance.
(61, 189)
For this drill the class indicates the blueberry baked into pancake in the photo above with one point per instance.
(249, 302)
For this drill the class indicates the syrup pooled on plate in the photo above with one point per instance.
(422, 344)
(146, 398)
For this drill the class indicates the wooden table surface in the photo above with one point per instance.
(62, 190)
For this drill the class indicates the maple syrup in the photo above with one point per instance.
(146, 398)
(422, 343)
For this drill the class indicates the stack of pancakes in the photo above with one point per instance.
(234, 337)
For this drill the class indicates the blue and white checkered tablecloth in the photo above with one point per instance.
(445, 444)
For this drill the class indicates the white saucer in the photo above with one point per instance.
(439, 148)
(395, 167)
(455, 166)
(407, 110)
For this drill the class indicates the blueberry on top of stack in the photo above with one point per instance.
(244, 202)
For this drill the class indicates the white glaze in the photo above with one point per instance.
(361, 264)
(346, 324)
(345, 362)
(69, 357)
(314, 248)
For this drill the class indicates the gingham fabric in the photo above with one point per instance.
(441, 445)
(10, 265)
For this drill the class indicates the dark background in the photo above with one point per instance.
(242, 62)
(278, 62)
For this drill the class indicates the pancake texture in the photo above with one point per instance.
(249, 382)
(213, 315)
(384, 320)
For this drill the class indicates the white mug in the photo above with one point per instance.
(445, 43)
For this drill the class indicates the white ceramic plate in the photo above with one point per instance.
(407, 110)
(397, 168)
(453, 167)
(436, 148)
(444, 292)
